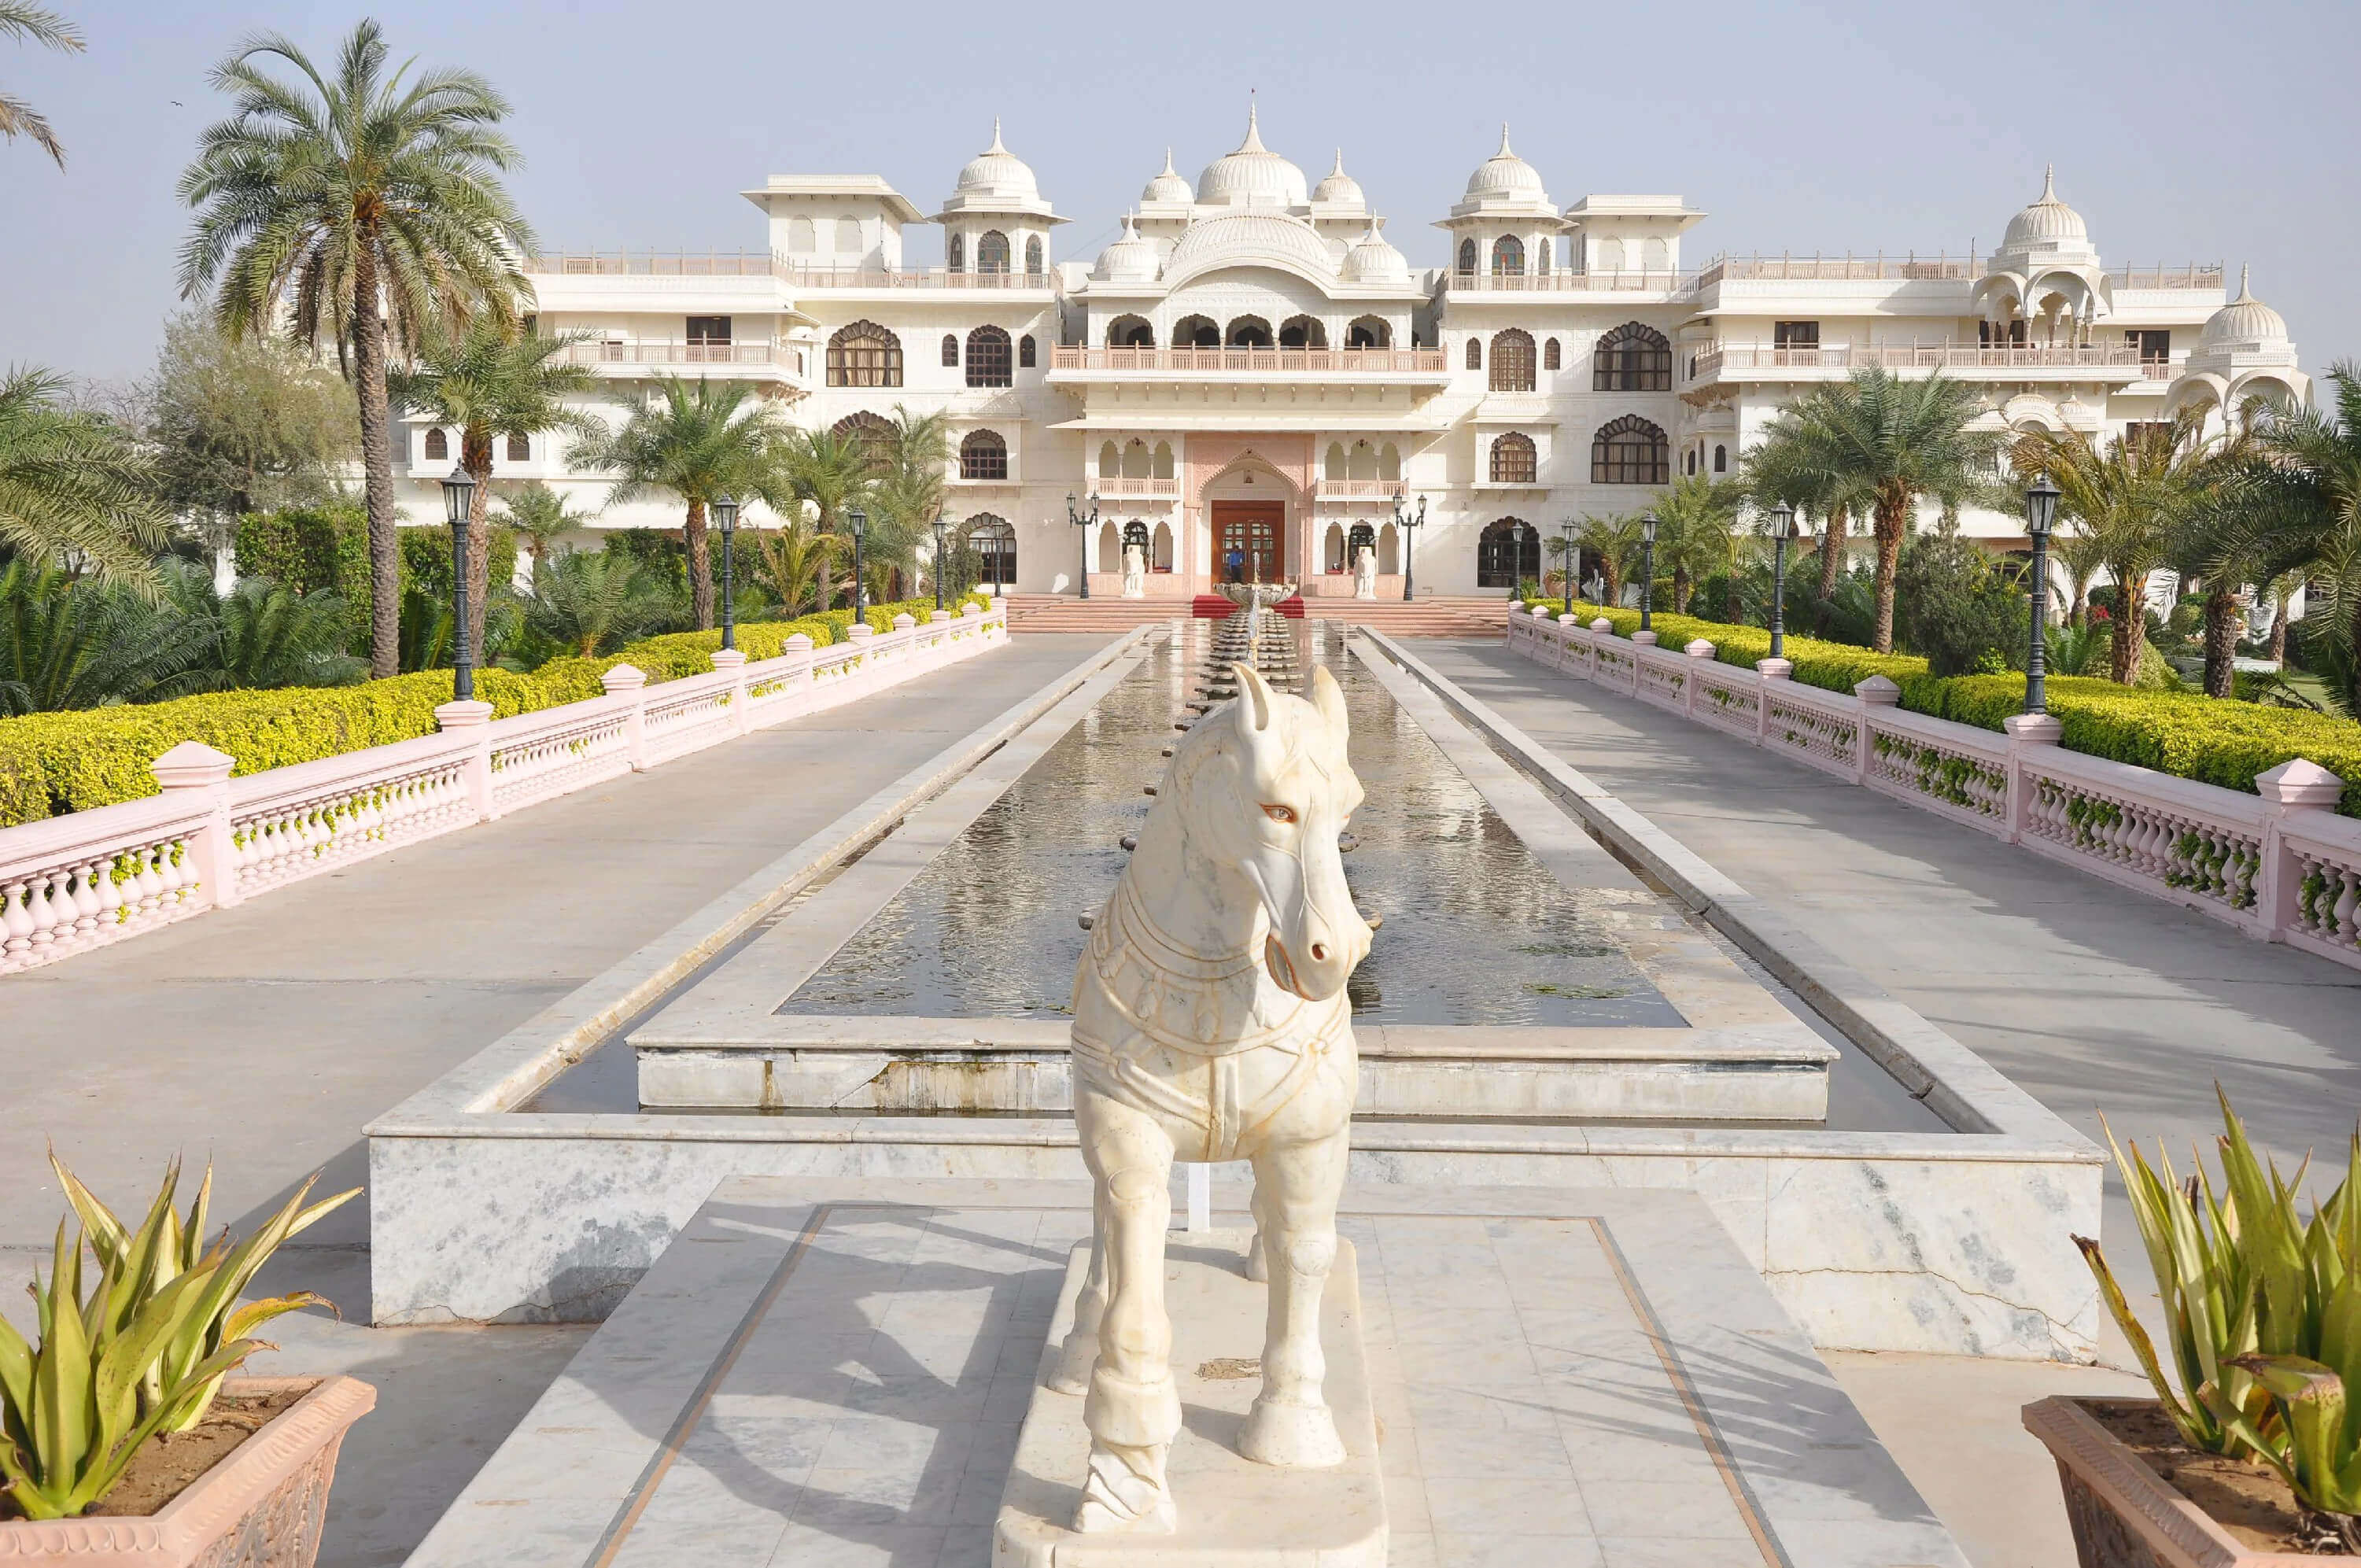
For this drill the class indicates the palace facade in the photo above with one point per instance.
(1252, 365)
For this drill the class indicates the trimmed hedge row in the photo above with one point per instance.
(2186, 734)
(52, 763)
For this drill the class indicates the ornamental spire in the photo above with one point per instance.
(1254, 131)
(995, 145)
(1504, 151)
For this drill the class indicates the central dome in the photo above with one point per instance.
(1505, 177)
(2047, 222)
(2244, 319)
(1254, 176)
(1250, 239)
(996, 172)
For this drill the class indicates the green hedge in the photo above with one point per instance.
(2187, 734)
(52, 764)
(325, 549)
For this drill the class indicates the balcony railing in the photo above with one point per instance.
(679, 354)
(1134, 485)
(1627, 281)
(1726, 359)
(1914, 268)
(917, 278)
(655, 263)
(1357, 489)
(2197, 275)
(1355, 361)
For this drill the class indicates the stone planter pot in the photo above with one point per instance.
(263, 1506)
(2126, 1516)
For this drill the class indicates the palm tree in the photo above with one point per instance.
(74, 491)
(799, 567)
(594, 601)
(1615, 541)
(698, 441)
(540, 516)
(2135, 498)
(1776, 471)
(830, 471)
(1890, 441)
(18, 118)
(490, 382)
(1694, 534)
(258, 636)
(68, 642)
(909, 494)
(2083, 554)
(365, 206)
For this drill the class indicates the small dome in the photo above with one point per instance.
(1252, 176)
(1250, 239)
(996, 172)
(1373, 260)
(2047, 222)
(2244, 319)
(1339, 186)
(1167, 186)
(1130, 259)
(1505, 177)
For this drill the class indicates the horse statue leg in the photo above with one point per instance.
(1297, 1186)
(1132, 1408)
(1080, 1352)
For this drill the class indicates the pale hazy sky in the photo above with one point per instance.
(2181, 131)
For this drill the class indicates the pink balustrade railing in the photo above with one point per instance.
(73, 883)
(2280, 865)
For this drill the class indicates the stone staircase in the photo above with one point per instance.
(1436, 617)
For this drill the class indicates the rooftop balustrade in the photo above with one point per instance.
(1914, 268)
(663, 354)
(1723, 360)
(761, 264)
(1568, 278)
(1254, 361)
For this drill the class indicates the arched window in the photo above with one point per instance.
(950, 351)
(1514, 461)
(1160, 466)
(1136, 462)
(983, 456)
(438, 448)
(848, 236)
(1389, 462)
(1633, 358)
(1507, 554)
(1332, 466)
(1468, 258)
(995, 543)
(1369, 332)
(1689, 461)
(801, 240)
(1656, 256)
(1110, 460)
(520, 448)
(992, 252)
(1363, 463)
(1024, 352)
(1302, 332)
(1507, 254)
(987, 358)
(1130, 332)
(865, 355)
(1512, 361)
(1033, 256)
(957, 253)
(1475, 354)
(872, 432)
(1722, 459)
(1197, 332)
(1630, 451)
(1610, 255)
(1544, 258)
(1550, 358)
(1249, 331)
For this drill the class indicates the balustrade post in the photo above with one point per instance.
(194, 772)
(1770, 670)
(1873, 693)
(474, 718)
(1703, 650)
(2025, 730)
(734, 660)
(630, 681)
(1567, 626)
(2295, 786)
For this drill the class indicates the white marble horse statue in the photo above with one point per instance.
(1211, 1024)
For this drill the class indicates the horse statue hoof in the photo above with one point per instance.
(1076, 1356)
(1124, 1493)
(1258, 1262)
(1292, 1437)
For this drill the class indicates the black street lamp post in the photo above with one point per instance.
(1647, 571)
(1783, 528)
(1566, 527)
(859, 521)
(1085, 524)
(939, 558)
(725, 517)
(459, 492)
(2040, 512)
(1407, 522)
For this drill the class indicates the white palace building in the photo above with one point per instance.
(1254, 365)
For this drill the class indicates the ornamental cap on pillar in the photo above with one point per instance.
(191, 764)
(624, 678)
(2299, 781)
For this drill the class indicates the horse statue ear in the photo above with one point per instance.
(1329, 698)
(1254, 693)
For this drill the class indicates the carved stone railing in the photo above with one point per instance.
(73, 883)
(2279, 865)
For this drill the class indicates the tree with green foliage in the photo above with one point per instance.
(490, 382)
(593, 601)
(1696, 523)
(33, 25)
(800, 567)
(1955, 610)
(69, 642)
(243, 425)
(364, 206)
(258, 636)
(907, 495)
(1779, 470)
(76, 492)
(1890, 441)
(696, 441)
(540, 516)
(1615, 540)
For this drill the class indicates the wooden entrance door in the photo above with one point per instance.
(1257, 532)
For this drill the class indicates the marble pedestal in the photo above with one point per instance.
(1234, 1512)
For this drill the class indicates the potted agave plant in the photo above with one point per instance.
(2252, 1454)
(124, 1440)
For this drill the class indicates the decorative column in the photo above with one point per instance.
(2025, 732)
(1874, 693)
(2288, 790)
(195, 772)
(473, 718)
(734, 660)
(630, 681)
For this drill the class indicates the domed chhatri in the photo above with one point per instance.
(1373, 260)
(996, 172)
(2046, 221)
(1339, 188)
(1130, 259)
(1505, 177)
(2245, 321)
(1252, 176)
(1168, 185)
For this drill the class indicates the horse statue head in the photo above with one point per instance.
(1264, 788)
